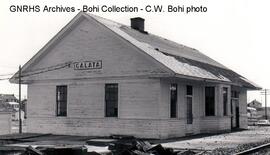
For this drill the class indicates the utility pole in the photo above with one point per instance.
(265, 100)
(20, 103)
(265, 93)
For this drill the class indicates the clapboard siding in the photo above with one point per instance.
(144, 128)
(143, 109)
(215, 124)
(243, 109)
(139, 99)
(86, 102)
(41, 100)
(88, 41)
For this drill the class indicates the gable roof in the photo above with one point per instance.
(255, 102)
(179, 59)
(7, 97)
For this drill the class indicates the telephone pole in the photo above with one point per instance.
(20, 103)
(265, 93)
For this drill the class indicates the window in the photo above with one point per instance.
(61, 100)
(225, 101)
(209, 101)
(234, 99)
(111, 100)
(189, 95)
(173, 90)
(234, 94)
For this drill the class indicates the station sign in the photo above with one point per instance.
(88, 65)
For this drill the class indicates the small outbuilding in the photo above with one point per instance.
(98, 77)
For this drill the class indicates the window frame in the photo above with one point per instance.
(225, 104)
(175, 105)
(115, 114)
(189, 119)
(58, 101)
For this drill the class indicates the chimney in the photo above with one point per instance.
(137, 23)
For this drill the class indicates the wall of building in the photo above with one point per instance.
(177, 127)
(5, 121)
(243, 109)
(143, 109)
(144, 102)
(90, 41)
(137, 112)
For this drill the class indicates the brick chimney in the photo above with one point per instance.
(137, 23)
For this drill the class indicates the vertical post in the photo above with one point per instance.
(20, 103)
(265, 93)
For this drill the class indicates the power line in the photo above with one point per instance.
(265, 93)
(25, 75)
(47, 69)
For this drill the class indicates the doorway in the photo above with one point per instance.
(235, 118)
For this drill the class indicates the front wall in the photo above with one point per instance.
(41, 100)
(90, 41)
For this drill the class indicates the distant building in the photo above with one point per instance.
(261, 112)
(253, 116)
(255, 104)
(4, 98)
(98, 77)
(13, 105)
(9, 103)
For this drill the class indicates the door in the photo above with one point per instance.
(232, 113)
(235, 113)
(189, 112)
(189, 128)
(237, 117)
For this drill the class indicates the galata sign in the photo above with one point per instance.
(88, 65)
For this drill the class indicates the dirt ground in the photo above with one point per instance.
(15, 126)
(201, 142)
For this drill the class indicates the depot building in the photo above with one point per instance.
(97, 77)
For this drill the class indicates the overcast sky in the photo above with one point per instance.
(235, 33)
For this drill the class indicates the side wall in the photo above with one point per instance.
(137, 112)
(243, 109)
(177, 127)
(143, 109)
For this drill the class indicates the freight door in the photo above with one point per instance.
(237, 117)
(189, 112)
(235, 113)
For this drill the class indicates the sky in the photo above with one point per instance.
(233, 32)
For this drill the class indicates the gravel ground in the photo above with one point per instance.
(228, 143)
(240, 148)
